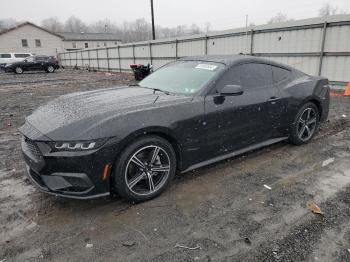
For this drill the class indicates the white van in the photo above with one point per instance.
(9, 58)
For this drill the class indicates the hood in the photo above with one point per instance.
(73, 116)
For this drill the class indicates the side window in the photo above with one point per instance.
(231, 77)
(40, 58)
(21, 55)
(30, 59)
(5, 55)
(255, 75)
(279, 74)
(24, 43)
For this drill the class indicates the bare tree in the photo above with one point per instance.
(207, 27)
(327, 10)
(278, 18)
(75, 25)
(52, 24)
(7, 23)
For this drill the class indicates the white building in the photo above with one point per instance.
(76, 41)
(30, 38)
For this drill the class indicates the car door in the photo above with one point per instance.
(246, 119)
(281, 78)
(39, 63)
(28, 63)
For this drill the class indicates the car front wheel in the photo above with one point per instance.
(305, 125)
(18, 70)
(144, 169)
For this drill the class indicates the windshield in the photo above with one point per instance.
(182, 77)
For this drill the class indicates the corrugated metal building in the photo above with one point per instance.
(317, 46)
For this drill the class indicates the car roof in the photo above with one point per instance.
(230, 60)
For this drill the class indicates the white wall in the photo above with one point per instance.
(12, 41)
(297, 43)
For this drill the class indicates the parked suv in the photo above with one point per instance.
(9, 58)
(34, 63)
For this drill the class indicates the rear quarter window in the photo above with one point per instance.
(279, 74)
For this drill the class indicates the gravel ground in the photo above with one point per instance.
(218, 213)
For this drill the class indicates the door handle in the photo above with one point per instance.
(273, 98)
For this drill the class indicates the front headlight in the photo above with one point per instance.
(77, 145)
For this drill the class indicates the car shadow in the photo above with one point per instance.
(77, 206)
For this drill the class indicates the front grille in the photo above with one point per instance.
(30, 146)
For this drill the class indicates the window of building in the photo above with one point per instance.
(24, 43)
(116, 42)
(104, 44)
(74, 44)
(86, 45)
(98, 44)
(37, 43)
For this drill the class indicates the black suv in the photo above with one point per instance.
(34, 63)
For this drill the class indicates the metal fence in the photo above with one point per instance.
(317, 46)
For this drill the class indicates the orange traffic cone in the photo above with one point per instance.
(347, 90)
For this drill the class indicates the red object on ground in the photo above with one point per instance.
(347, 90)
(335, 94)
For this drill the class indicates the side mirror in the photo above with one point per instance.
(232, 90)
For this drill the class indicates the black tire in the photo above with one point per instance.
(123, 177)
(50, 69)
(19, 70)
(296, 133)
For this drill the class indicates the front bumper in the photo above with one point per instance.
(80, 175)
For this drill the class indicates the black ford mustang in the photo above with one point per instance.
(187, 114)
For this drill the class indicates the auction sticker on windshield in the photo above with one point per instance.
(206, 66)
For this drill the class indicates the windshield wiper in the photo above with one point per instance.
(160, 90)
(154, 89)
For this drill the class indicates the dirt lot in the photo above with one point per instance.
(222, 212)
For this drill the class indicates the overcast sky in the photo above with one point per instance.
(222, 14)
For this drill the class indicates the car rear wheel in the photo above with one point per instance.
(144, 169)
(50, 69)
(18, 70)
(305, 125)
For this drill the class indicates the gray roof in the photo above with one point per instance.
(89, 36)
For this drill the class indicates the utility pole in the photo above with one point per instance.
(246, 33)
(153, 30)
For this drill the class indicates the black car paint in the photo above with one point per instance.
(202, 128)
(36, 65)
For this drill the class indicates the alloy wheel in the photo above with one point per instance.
(307, 124)
(19, 70)
(147, 170)
(50, 69)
